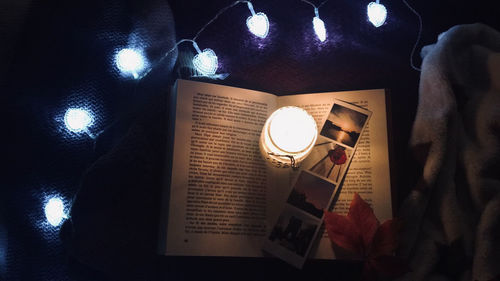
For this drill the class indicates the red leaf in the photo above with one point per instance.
(361, 214)
(385, 240)
(343, 232)
(388, 266)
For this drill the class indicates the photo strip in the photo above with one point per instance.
(322, 171)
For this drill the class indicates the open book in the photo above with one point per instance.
(223, 199)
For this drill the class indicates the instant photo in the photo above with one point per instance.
(292, 236)
(328, 160)
(311, 194)
(344, 124)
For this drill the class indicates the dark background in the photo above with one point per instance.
(63, 56)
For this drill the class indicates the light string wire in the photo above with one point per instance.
(220, 12)
(312, 4)
(316, 7)
(419, 36)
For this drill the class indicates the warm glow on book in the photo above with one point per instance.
(289, 132)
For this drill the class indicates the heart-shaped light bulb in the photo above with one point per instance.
(319, 28)
(77, 119)
(258, 24)
(206, 62)
(54, 211)
(130, 62)
(377, 13)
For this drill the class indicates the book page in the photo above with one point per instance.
(369, 173)
(219, 186)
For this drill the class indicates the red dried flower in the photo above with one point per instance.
(337, 155)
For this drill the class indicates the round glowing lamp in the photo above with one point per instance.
(288, 136)
(54, 211)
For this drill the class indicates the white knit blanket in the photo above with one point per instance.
(452, 217)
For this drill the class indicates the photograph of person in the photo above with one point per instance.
(344, 125)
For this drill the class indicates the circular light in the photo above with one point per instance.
(130, 62)
(292, 129)
(54, 211)
(288, 136)
(77, 119)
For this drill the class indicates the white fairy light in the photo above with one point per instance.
(54, 211)
(205, 62)
(319, 26)
(130, 62)
(377, 13)
(257, 23)
(78, 120)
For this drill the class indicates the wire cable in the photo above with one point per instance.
(312, 4)
(419, 36)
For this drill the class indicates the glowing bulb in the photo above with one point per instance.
(292, 129)
(130, 62)
(377, 13)
(54, 211)
(291, 132)
(77, 119)
(319, 28)
(205, 62)
(257, 23)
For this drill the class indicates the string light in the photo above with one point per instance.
(130, 62)
(54, 211)
(257, 23)
(318, 24)
(377, 13)
(77, 120)
(205, 62)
